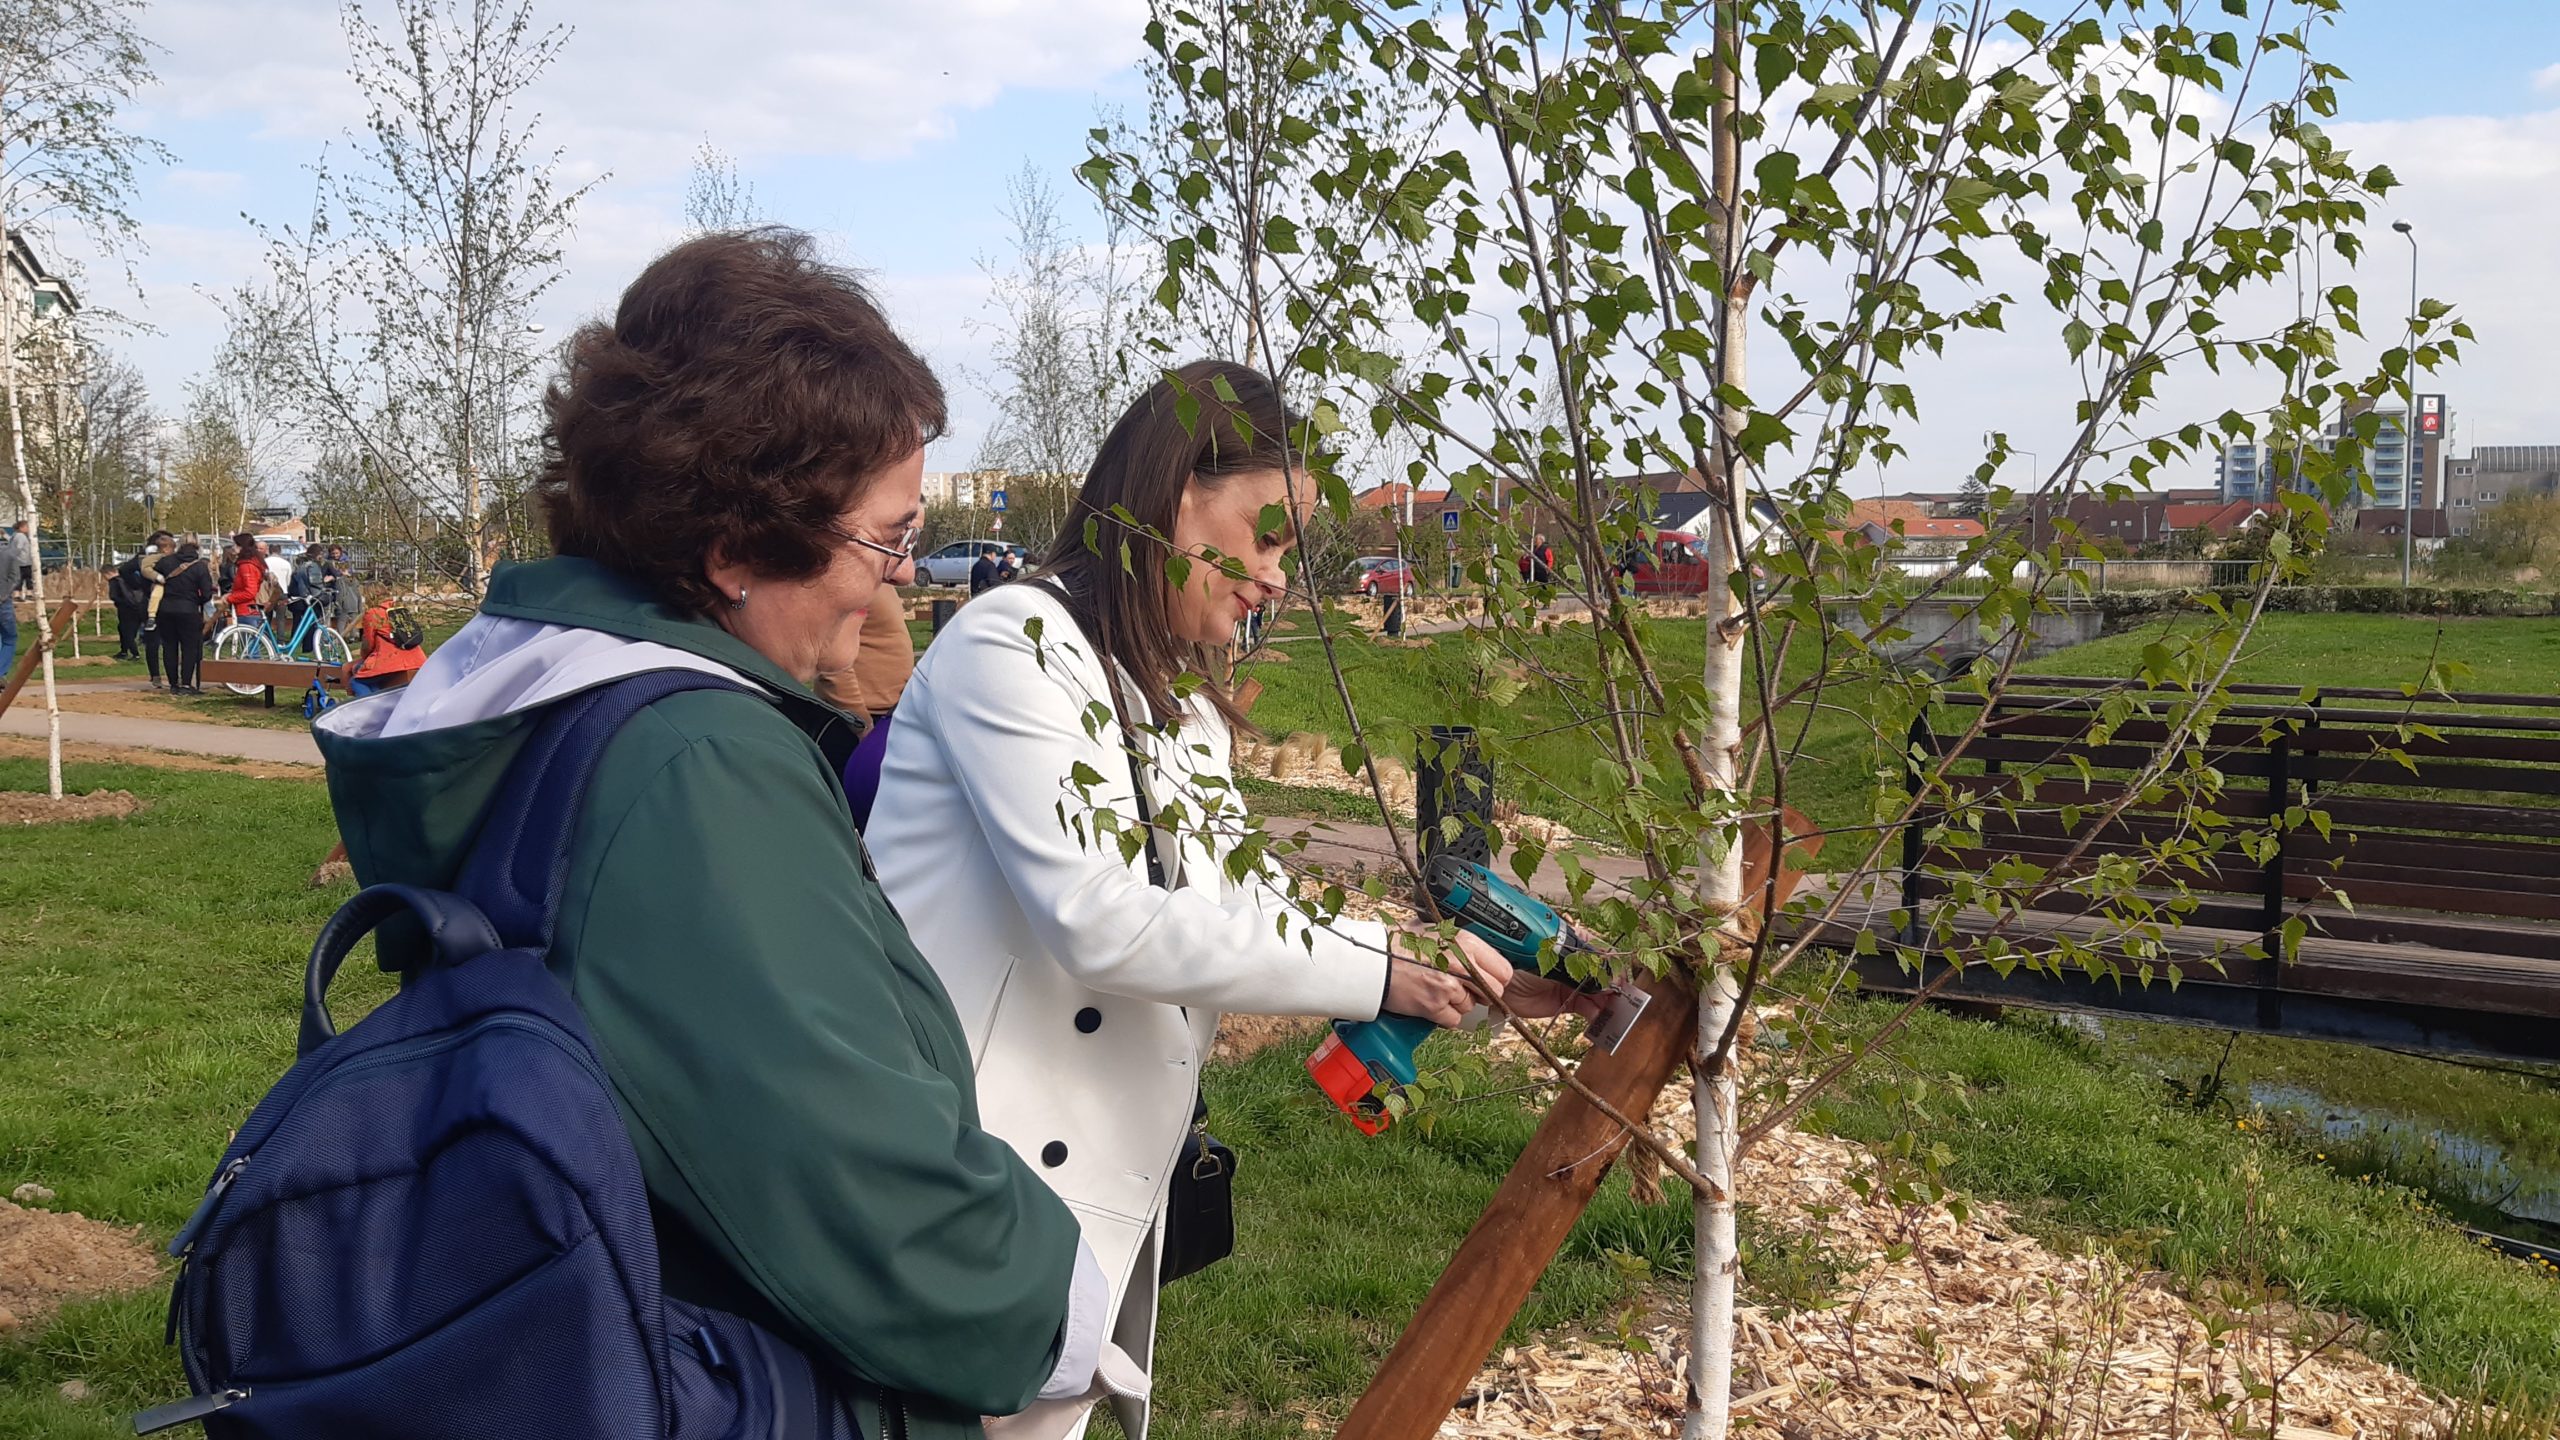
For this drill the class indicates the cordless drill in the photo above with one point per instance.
(1361, 1055)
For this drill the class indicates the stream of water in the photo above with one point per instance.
(2487, 1173)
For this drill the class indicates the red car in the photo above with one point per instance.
(1381, 575)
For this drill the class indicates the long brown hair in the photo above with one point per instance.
(1205, 422)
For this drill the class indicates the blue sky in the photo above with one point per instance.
(890, 130)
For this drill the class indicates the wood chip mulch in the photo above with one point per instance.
(1956, 1328)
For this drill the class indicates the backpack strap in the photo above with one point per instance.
(520, 859)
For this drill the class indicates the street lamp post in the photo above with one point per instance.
(2409, 450)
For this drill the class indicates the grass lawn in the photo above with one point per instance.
(1544, 753)
(148, 994)
(2469, 1135)
(2087, 1145)
(2504, 655)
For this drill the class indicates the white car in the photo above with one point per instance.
(950, 564)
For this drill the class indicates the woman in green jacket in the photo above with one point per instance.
(736, 461)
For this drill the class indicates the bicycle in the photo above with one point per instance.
(256, 640)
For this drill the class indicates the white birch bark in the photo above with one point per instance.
(35, 535)
(1719, 1261)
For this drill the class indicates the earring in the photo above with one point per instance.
(741, 602)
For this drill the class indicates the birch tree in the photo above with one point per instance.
(1066, 354)
(394, 314)
(715, 198)
(67, 166)
(1552, 274)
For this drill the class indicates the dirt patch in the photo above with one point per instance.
(28, 747)
(150, 705)
(18, 807)
(1241, 1037)
(47, 1258)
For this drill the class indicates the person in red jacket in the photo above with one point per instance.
(381, 661)
(249, 571)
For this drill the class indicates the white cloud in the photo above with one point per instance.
(2546, 80)
(641, 80)
(259, 86)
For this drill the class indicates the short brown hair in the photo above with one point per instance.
(745, 393)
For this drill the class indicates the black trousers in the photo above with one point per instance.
(129, 632)
(181, 637)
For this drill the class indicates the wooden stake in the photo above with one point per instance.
(33, 650)
(1549, 1186)
(1518, 1235)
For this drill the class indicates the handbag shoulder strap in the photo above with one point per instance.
(1128, 735)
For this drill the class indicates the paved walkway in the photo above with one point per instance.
(1341, 845)
(289, 747)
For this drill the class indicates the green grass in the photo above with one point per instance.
(1545, 761)
(148, 995)
(2512, 655)
(1545, 758)
(2086, 1146)
(2427, 1125)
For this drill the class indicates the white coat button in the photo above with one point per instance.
(1088, 1020)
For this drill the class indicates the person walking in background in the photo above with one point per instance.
(22, 553)
(346, 598)
(186, 590)
(983, 573)
(8, 637)
(126, 590)
(144, 572)
(870, 688)
(308, 587)
(248, 577)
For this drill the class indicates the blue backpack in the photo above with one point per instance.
(434, 1226)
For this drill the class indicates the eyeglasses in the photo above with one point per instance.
(901, 552)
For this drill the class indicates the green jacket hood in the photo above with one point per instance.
(409, 803)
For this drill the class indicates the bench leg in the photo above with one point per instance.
(271, 697)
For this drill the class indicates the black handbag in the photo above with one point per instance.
(1200, 1205)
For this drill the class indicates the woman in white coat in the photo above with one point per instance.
(1089, 993)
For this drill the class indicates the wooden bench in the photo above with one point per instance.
(2412, 848)
(295, 675)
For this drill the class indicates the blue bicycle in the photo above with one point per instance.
(313, 640)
